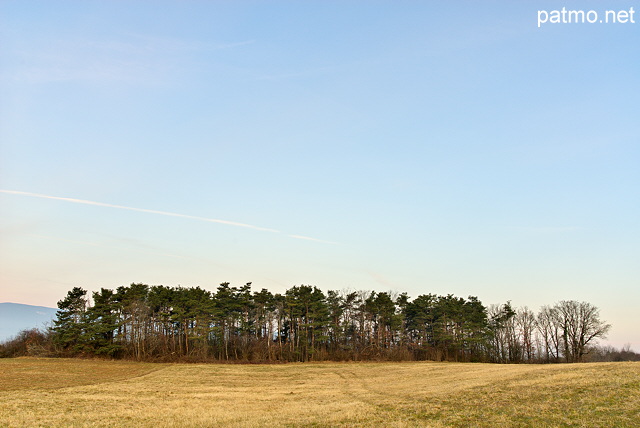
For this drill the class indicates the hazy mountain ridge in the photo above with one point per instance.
(15, 317)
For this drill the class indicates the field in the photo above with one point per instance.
(62, 392)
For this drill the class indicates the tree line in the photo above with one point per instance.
(304, 323)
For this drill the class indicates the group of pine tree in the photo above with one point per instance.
(305, 324)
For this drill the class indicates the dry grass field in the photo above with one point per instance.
(58, 393)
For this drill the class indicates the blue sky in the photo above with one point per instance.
(426, 147)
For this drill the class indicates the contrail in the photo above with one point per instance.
(306, 238)
(143, 210)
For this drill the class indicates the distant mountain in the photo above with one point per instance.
(15, 317)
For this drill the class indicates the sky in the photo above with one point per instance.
(451, 147)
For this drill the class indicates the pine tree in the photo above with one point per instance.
(102, 322)
(71, 324)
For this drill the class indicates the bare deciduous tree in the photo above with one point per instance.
(526, 324)
(580, 323)
(548, 324)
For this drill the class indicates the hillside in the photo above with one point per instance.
(15, 317)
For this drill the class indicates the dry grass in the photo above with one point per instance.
(37, 392)
(43, 373)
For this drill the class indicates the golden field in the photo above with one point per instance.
(65, 392)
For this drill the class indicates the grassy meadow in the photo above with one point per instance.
(64, 392)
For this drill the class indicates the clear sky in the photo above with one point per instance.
(427, 147)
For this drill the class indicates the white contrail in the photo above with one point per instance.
(102, 204)
(306, 238)
(144, 210)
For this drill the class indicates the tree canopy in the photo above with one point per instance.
(304, 323)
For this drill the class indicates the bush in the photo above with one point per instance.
(31, 343)
(610, 353)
